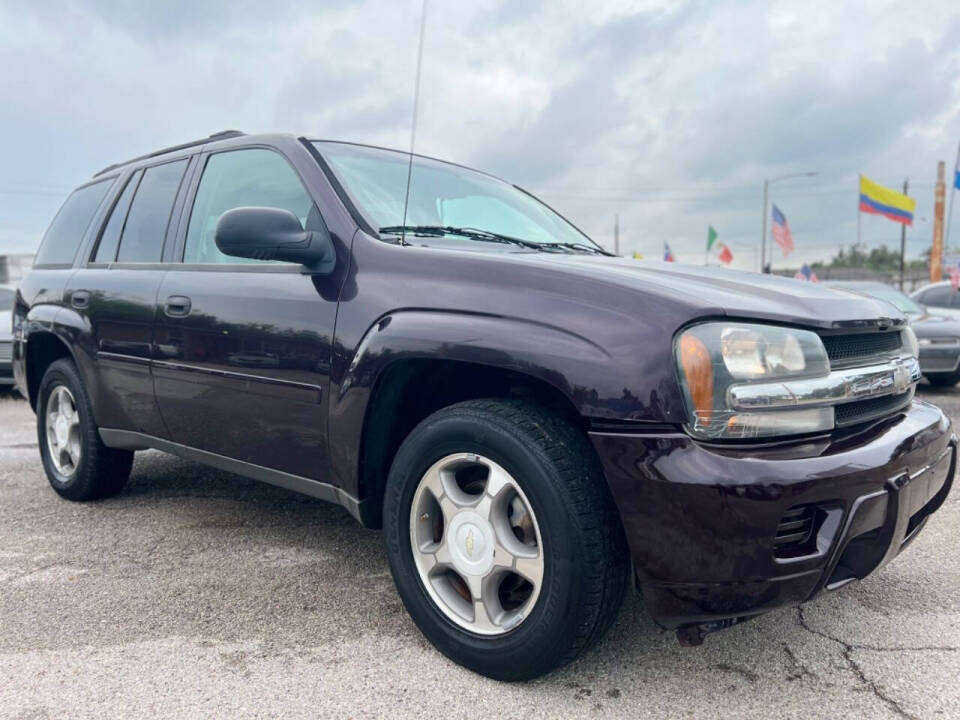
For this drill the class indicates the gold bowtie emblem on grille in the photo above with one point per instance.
(469, 543)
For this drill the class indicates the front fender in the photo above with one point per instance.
(574, 365)
(546, 352)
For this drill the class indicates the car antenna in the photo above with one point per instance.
(413, 123)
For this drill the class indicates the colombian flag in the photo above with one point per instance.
(879, 200)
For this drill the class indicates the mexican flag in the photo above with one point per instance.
(726, 255)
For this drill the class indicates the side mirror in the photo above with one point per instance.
(264, 233)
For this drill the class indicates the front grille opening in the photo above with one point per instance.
(846, 350)
(861, 411)
(796, 535)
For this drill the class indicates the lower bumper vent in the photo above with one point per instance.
(795, 531)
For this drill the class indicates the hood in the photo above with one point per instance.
(6, 324)
(718, 291)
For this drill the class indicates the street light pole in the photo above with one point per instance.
(763, 237)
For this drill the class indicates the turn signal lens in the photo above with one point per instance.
(698, 371)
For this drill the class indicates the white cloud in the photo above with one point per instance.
(667, 113)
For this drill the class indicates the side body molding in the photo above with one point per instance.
(541, 351)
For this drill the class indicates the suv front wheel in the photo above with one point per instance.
(503, 539)
(78, 465)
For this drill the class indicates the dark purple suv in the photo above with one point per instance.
(533, 422)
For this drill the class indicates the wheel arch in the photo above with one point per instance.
(414, 363)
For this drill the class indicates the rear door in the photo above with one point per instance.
(116, 290)
(243, 346)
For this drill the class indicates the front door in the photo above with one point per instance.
(243, 347)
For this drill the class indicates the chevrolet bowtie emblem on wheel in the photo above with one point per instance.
(469, 543)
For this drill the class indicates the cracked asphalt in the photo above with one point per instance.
(196, 593)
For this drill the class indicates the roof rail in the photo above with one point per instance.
(222, 135)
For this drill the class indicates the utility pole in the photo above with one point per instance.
(903, 236)
(616, 235)
(953, 191)
(763, 226)
(936, 249)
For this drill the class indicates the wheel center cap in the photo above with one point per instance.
(471, 541)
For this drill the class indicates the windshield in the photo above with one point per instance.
(442, 195)
(6, 299)
(896, 298)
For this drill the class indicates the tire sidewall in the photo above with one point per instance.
(541, 634)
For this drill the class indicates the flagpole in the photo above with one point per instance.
(859, 185)
(763, 231)
(903, 236)
(953, 191)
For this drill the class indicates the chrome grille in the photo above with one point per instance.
(6, 351)
(859, 349)
(864, 410)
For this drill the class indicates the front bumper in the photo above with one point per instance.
(701, 520)
(940, 357)
(6, 362)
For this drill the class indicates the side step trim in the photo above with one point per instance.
(130, 440)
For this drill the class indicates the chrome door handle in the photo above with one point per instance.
(80, 299)
(177, 306)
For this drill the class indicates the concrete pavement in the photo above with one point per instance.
(196, 593)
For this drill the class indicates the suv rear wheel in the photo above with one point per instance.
(78, 465)
(503, 539)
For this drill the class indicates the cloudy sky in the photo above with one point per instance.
(669, 114)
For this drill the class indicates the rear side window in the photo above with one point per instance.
(63, 237)
(243, 178)
(110, 238)
(149, 216)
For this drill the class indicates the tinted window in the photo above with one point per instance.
(942, 296)
(63, 237)
(149, 215)
(242, 178)
(110, 238)
(6, 299)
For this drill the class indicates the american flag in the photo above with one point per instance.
(806, 273)
(781, 231)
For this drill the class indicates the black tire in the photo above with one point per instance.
(585, 556)
(945, 379)
(100, 471)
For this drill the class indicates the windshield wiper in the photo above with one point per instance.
(471, 233)
(585, 248)
(489, 236)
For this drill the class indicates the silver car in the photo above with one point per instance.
(939, 297)
(938, 333)
(7, 294)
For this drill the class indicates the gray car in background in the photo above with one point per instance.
(7, 294)
(938, 334)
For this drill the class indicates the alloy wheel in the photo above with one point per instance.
(63, 431)
(476, 544)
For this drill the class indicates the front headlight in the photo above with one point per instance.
(713, 356)
(910, 344)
